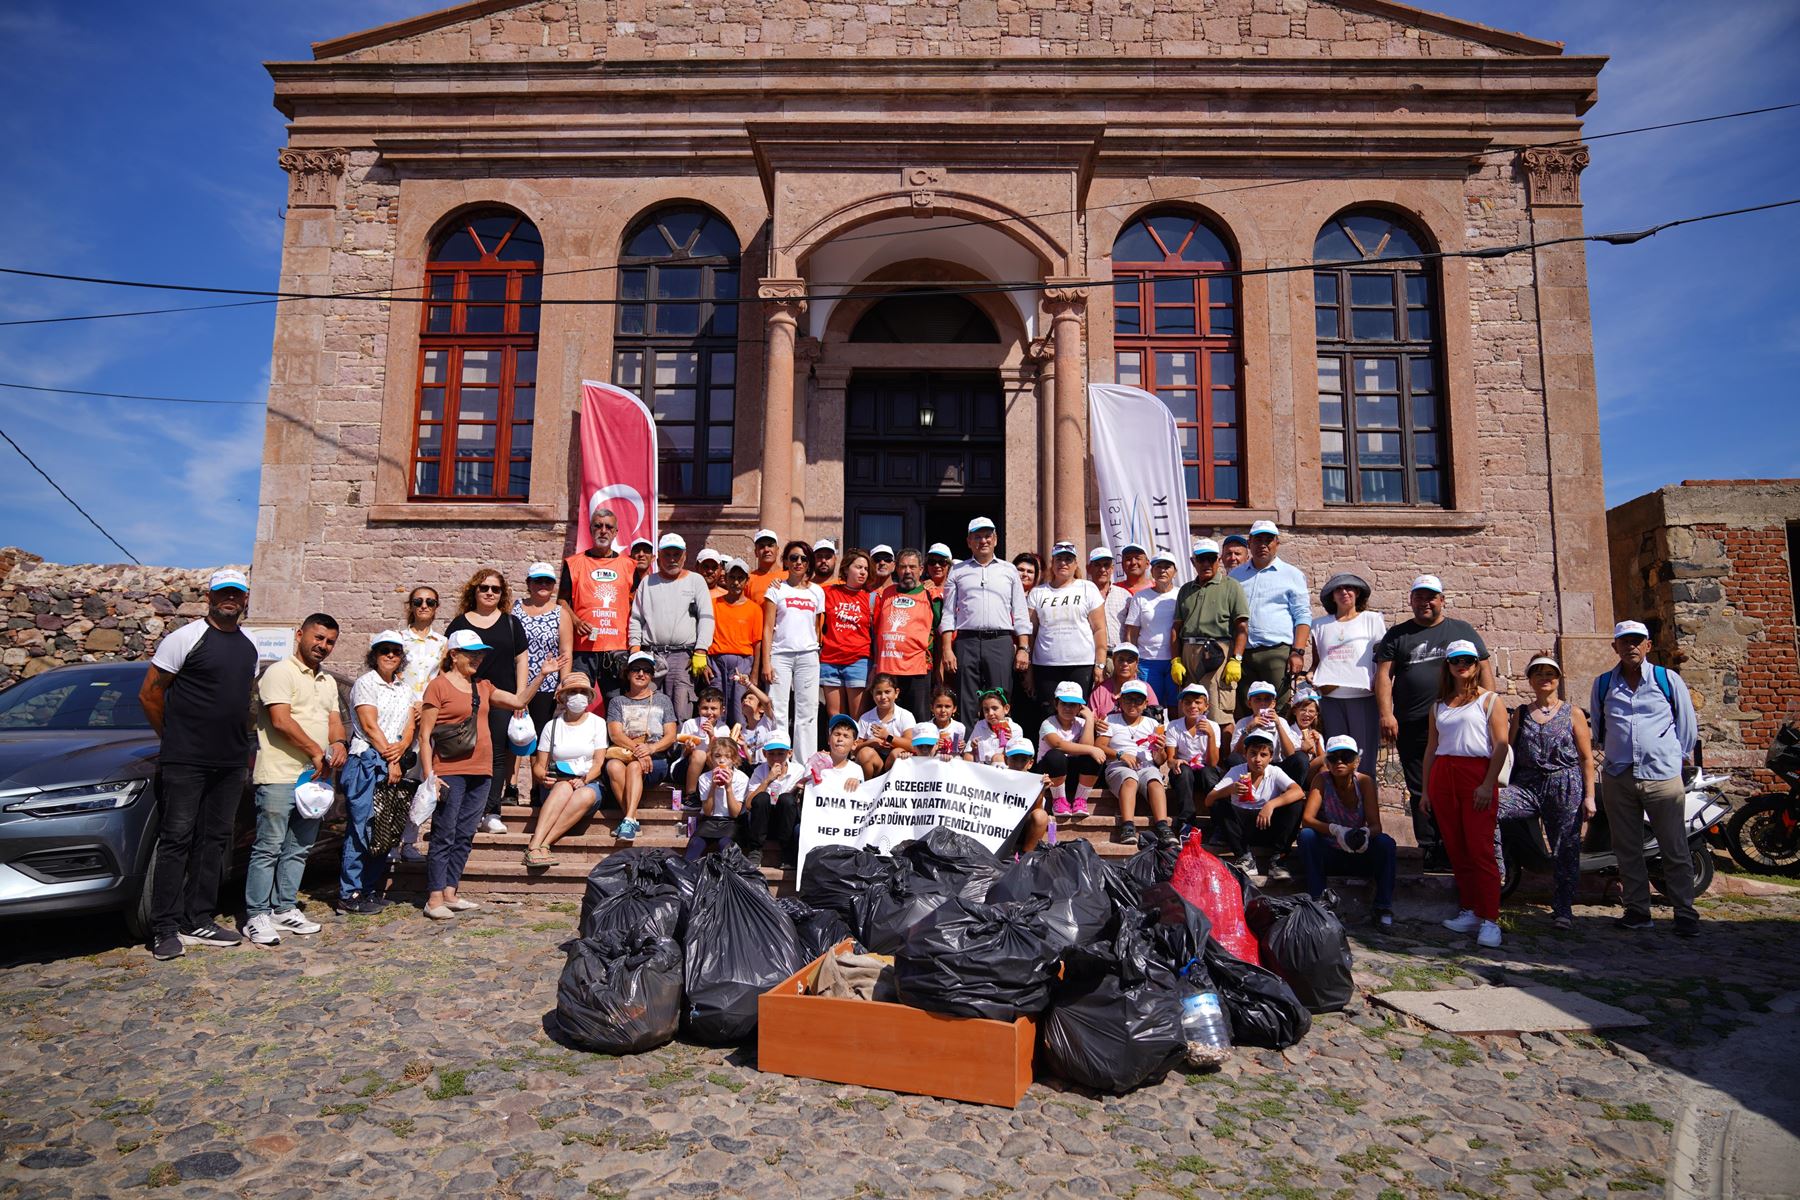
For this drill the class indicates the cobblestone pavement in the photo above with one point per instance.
(394, 1056)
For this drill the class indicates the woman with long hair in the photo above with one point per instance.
(1464, 753)
(505, 664)
(847, 636)
(793, 616)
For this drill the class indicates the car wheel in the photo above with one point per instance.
(137, 909)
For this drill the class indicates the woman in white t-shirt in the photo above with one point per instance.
(570, 756)
(1150, 625)
(1343, 660)
(1068, 623)
(793, 616)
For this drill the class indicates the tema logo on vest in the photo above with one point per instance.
(604, 575)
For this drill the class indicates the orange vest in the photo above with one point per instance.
(903, 626)
(600, 594)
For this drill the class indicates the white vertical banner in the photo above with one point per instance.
(1138, 473)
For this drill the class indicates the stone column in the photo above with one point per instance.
(1067, 303)
(1581, 570)
(783, 304)
(1040, 359)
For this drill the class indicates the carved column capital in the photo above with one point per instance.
(1040, 355)
(314, 175)
(784, 299)
(809, 349)
(1553, 174)
(1065, 298)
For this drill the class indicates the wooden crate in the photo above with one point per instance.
(891, 1046)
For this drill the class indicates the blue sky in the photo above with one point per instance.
(141, 143)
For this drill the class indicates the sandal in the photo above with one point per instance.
(539, 856)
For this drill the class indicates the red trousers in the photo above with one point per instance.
(1468, 831)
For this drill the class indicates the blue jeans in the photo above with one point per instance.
(362, 869)
(1322, 858)
(462, 802)
(1158, 673)
(719, 671)
(278, 856)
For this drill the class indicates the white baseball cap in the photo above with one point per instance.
(980, 523)
(1020, 749)
(227, 577)
(825, 544)
(1429, 583)
(1127, 648)
(764, 535)
(708, 554)
(1543, 660)
(776, 741)
(1205, 546)
(939, 550)
(736, 564)
(1461, 648)
(1631, 629)
(1261, 687)
(882, 549)
(1135, 687)
(1164, 556)
(1253, 734)
(386, 637)
(1069, 692)
(1128, 547)
(925, 735)
(1100, 554)
(540, 570)
(643, 541)
(1341, 741)
(638, 656)
(467, 639)
(1268, 527)
(672, 541)
(1195, 689)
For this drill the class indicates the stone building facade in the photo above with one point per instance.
(922, 204)
(1708, 566)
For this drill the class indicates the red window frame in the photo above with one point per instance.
(1175, 334)
(476, 388)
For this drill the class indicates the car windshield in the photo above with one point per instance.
(91, 699)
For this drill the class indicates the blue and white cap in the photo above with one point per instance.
(777, 741)
(467, 640)
(228, 577)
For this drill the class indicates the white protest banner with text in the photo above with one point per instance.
(1138, 472)
(916, 796)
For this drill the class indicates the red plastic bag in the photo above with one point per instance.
(1209, 885)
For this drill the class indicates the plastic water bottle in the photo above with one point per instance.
(1205, 1028)
(1050, 833)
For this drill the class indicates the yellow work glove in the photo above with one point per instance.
(697, 664)
(1177, 672)
(1234, 671)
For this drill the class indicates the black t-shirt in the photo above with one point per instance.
(1417, 653)
(506, 639)
(206, 710)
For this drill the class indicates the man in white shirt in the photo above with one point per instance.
(984, 636)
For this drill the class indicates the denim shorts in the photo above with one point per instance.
(854, 674)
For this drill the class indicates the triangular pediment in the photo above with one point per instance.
(661, 30)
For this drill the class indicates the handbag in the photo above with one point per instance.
(458, 740)
(387, 817)
(1212, 655)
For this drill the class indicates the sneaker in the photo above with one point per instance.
(261, 930)
(1277, 872)
(1126, 834)
(294, 922)
(166, 946)
(362, 905)
(627, 830)
(1165, 833)
(1247, 864)
(1687, 927)
(411, 853)
(1489, 935)
(493, 824)
(209, 934)
(1061, 807)
(1463, 922)
(1384, 918)
(1080, 806)
(1635, 922)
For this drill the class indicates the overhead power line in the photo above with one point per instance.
(59, 491)
(273, 297)
(32, 387)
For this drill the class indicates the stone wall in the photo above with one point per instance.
(1706, 566)
(57, 614)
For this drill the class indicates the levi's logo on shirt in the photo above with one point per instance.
(799, 603)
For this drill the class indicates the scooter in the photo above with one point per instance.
(1523, 845)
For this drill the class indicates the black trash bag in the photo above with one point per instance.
(633, 867)
(834, 878)
(979, 960)
(895, 902)
(637, 908)
(1177, 929)
(1115, 1017)
(1154, 863)
(739, 945)
(955, 861)
(619, 993)
(1070, 876)
(1264, 1010)
(818, 931)
(1248, 889)
(1301, 941)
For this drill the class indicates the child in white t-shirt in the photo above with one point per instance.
(1191, 754)
(884, 730)
(1258, 802)
(1133, 743)
(994, 732)
(720, 794)
(759, 725)
(693, 741)
(1067, 754)
(1284, 737)
(952, 734)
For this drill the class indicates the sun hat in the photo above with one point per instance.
(1205, 546)
(467, 640)
(1341, 741)
(1461, 648)
(575, 681)
(1344, 579)
(386, 637)
(1631, 629)
(1428, 583)
(1069, 692)
(1261, 687)
(1543, 660)
(1135, 687)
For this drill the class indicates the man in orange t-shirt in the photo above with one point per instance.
(737, 643)
(595, 597)
(906, 619)
(767, 571)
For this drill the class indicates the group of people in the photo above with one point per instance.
(1225, 697)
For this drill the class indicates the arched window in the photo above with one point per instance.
(478, 360)
(1176, 334)
(1381, 401)
(677, 349)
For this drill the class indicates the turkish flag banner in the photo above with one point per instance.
(618, 464)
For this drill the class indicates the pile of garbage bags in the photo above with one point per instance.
(1128, 966)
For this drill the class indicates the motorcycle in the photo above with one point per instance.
(1523, 845)
(1764, 833)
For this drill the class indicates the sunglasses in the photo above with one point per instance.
(1341, 756)
(797, 558)
(1459, 661)
(488, 587)
(384, 651)
(417, 603)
